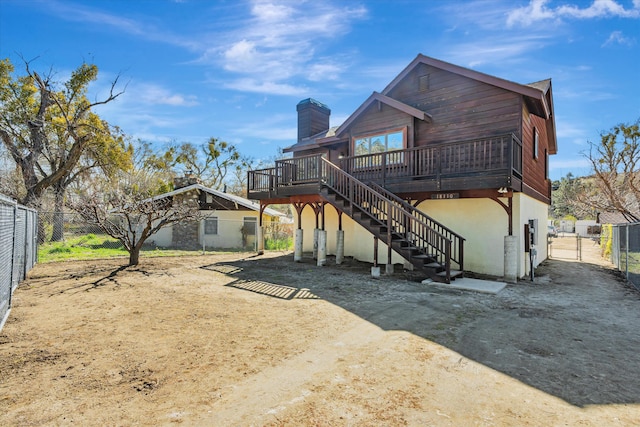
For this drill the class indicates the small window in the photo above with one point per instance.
(424, 83)
(546, 164)
(535, 143)
(211, 225)
(250, 223)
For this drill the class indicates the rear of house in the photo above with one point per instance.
(464, 152)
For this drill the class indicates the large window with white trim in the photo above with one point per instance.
(379, 142)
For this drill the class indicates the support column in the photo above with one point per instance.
(511, 258)
(375, 270)
(322, 248)
(315, 242)
(260, 240)
(297, 245)
(339, 246)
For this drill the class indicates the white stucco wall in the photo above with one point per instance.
(358, 242)
(482, 222)
(229, 235)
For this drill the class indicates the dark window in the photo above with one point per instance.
(535, 143)
(250, 224)
(211, 225)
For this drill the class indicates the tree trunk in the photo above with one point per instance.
(58, 214)
(134, 256)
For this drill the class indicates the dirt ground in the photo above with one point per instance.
(237, 340)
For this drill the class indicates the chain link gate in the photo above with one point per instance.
(565, 246)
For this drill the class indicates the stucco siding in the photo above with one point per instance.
(482, 222)
(524, 209)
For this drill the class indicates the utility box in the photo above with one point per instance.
(533, 231)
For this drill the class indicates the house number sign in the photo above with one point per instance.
(445, 196)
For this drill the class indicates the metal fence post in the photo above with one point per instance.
(626, 263)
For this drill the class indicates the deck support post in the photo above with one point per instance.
(260, 240)
(315, 242)
(339, 246)
(375, 270)
(297, 246)
(511, 258)
(322, 248)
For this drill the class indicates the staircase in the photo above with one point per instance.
(428, 245)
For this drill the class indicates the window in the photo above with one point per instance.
(379, 143)
(211, 225)
(546, 164)
(250, 223)
(535, 143)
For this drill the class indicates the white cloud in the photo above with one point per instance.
(279, 43)
(155, 94)
(617, 37)
(264, 87)
(537, 10)
(496, 49)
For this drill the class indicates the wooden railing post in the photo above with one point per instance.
(510, 154)
(384, 168)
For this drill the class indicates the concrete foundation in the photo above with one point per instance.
(297, 245)
(388, 269)
(339, 246)
(511, 259)
(322, 248)
(315, 243)
(375, 272)
(260, 240)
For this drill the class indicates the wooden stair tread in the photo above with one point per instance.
(434, 265)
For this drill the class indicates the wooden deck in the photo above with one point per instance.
(486, 163)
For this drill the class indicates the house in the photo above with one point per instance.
(446, 170)
(229, 221)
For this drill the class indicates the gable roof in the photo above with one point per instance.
(611, 217)
(537, 96)
(382, 99)
(230, 197)
(534, 94)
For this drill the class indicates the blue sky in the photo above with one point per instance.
(236, 69)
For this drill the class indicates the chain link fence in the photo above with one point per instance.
(621, 244)
(68, 236)
(18, 249)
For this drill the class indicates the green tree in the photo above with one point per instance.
(47, 127)
(210, 162)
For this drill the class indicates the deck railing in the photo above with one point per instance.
(498, 154)
(397, 219)
(457, 241)
(494, 154)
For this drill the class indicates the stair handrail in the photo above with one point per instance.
(347, 186)
(457, 239)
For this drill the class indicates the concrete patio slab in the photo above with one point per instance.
(469, 284)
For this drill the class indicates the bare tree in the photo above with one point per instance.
(615, 162)
(132, 210)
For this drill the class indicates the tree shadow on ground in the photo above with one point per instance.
(573, 333)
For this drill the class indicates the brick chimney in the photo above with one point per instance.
(184, 181)
(313, 118)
